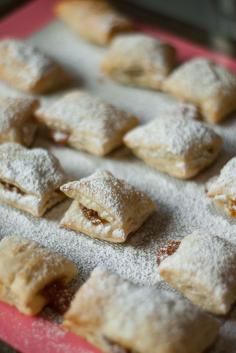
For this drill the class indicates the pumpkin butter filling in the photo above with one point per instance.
(92, 216)
(58, 296)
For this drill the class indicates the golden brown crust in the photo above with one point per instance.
(208, 85)
(201, 269)
(16, 120)
(26, 268)
(94, 20)
(119, 208)
(86, 122)
(139, 60)
(30, 179)
(28, 69)
(175, 145)
(113, 314)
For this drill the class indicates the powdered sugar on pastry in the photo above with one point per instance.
(37, 64)
(13, 111)
(178, 134)
(202, 269)
(209, 85)
(91, 123)
(182, 206)
(106, 207)
(35, 171)
(225, 183)
(213, 78)
(101, 307)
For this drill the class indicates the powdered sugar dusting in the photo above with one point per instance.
(79, 111)
(32, 63)
(13, 111)
(178, 134)
(211, 261)
(35, 171)
(120, 299)
(182, 207)
(202, 78)
(225, 183)
(138, 49)
(116, 196)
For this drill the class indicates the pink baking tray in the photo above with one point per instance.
(36, 334)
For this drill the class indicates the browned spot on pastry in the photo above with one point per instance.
(92, 216)
(116, 348)
(134, 72)
(59, 137)
(167, 250)
(12, 188)
(58, 296)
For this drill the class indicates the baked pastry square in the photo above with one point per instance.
(203, 269)
(94, 20)
(28, 69)
(208, 85)
(176, 145)
(16, 120)
(117, 316)
(29, 179)
(105, 207)
(27, 270)
(139, 60)
(222, 189)
(86, 122)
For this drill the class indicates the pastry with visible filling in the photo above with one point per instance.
(28, 69)
(208, 85)
(222, 189)
(176, 145)
(105, 207)
(16, 120)
(86, 122)
(27, 270)
(139, 60)
(203, 268)
(117, 316)
(94, 20)
(30, 179)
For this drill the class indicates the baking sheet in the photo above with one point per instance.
(181, 205)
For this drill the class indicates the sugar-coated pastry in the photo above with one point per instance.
(86, 122)
(181, 109)
(208, 85)
(139, 60)
(29, 179)
(16, 120)
(28, 69)
(175, 144)
(117, 316)
(203, 268)
(27, 270)
(94, 20)
(222, 189)
(105, 207)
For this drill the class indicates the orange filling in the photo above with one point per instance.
(58, 296)
(92, 216)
